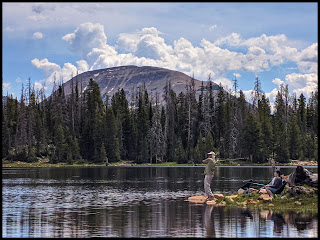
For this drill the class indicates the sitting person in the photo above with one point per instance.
(275, 184)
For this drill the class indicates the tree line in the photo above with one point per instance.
(82, 128)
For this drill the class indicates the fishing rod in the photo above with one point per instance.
(252, 182)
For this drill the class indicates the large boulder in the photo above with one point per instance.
(298, 190)
(198, 199)
(302, 176)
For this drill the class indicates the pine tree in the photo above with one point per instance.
(265, 128)
(251, 138)
(294, 138)
(110, 137)
(103, 154)
(61, 145)
(302, 115)
(209, 144)
(220, 119)
(157, 143)
(181, 155)
(170, 124)
(281, 135)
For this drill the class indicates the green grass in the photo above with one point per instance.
(288, 203)
(226, 162)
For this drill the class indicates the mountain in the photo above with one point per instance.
(133, 77)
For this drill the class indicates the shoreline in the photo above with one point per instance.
(45, 163)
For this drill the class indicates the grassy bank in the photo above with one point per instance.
(46, 163)
(301, 202)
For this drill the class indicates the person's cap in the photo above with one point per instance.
(213, 153)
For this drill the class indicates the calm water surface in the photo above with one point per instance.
(138, 202)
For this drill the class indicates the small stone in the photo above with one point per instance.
(218, 196)
(262, 191)
(297, 203)
(244, 203)
(262, 196)
(251, 201)
(211, 202)
(267, 199)
(253, 190)
(241, 191)
(271, 205)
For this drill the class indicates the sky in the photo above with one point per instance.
(276, 42)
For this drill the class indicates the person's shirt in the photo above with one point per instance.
(276, 182)
(211, 164)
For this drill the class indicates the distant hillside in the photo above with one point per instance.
(132, 77)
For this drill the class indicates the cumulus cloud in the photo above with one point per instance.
(277, 81)
(225, 82)
(272, 97)
(307, 59)
(147, 47)
(85, 38)
(6, 86)
(38, 86)
(47, 67)
(53, 72)
(37, 35)
(302, 83)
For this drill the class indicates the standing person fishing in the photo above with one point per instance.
(209, 173)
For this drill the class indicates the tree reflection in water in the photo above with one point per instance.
(141, 202)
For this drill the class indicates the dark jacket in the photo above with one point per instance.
(277, 183)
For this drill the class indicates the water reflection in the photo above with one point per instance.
(135, 202)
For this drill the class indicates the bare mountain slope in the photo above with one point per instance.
(132, 77)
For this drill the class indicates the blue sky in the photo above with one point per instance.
(275, 41)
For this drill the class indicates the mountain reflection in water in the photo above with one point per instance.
(136, 202)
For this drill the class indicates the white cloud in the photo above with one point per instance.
(272, 97)
(211, 28)
(85, 38)
(37, 18)
(248, 95)
(6, 86)
(47, 67)
(225, 82)
(38, 86)
(83, 66)
(277, 81)
(302, 83)
(147, 47)
(237, 75)
(37, 35)
(18, 80)
(145, 43)
(307, 59)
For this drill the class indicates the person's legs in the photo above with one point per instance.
(269, 192)
(207, 189)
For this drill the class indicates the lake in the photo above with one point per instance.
(138, 202)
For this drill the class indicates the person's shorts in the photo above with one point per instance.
(273, 190)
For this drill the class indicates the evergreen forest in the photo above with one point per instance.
(81, 128)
